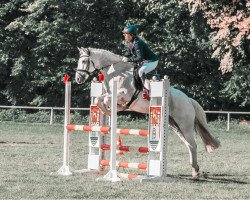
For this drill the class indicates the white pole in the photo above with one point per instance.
(228, 121)
(112, 174)
(65, 169)
(113, 126)
(51, 116)
(164, 128)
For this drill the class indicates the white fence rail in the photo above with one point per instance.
(52, 109)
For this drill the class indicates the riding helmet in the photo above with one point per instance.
(131, 29)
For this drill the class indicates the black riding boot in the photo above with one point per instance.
(143, 77)
(145, 91)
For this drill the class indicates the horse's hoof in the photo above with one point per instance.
(196, 176)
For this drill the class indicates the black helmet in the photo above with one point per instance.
(131, 29)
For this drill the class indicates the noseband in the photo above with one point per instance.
(80, 71)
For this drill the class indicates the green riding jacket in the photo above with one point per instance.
(139, 51)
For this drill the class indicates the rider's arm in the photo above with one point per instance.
(127, 53)
(137, 56)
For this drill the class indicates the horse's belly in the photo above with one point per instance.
(140, 105)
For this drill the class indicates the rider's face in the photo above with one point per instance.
(128, 37)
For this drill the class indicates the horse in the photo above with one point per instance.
(185, 114)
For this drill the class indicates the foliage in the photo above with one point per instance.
(183, 45)
(230, 39)
(40, 45)
(39, 40)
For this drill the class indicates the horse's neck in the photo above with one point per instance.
(104, 58)
(113, 67)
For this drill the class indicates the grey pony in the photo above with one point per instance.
(185, 114)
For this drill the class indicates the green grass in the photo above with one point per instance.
(30, 152)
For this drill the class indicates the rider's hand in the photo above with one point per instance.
(125, 59)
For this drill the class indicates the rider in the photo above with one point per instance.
(137, 52)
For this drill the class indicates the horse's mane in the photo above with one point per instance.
(106, 52)
(115, 57)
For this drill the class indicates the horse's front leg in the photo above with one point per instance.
(99, 101)
(107, 102)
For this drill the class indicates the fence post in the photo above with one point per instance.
(51, 116)
(228, 121)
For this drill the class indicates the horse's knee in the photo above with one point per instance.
(107, 100)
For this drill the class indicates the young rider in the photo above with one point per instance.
(137, 52)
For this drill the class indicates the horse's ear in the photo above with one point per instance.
(87, 51)
(83, 51)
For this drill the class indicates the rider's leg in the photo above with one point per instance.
(146, 68)
(143, 78)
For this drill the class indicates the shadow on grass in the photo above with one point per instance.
(6, 142)
(216, 178)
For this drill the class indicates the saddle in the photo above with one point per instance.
(137, 79)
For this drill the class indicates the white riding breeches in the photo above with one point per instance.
(147, 67)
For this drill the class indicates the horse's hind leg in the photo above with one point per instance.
(188, 139)
(192, 148)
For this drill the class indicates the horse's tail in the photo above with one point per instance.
(201, 127)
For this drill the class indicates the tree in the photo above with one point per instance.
(39, 44)
(39, 40)
(230, 39)
(183, 45)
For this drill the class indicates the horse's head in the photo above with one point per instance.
(85, 66)
(92, 59)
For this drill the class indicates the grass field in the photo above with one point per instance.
(30, 152)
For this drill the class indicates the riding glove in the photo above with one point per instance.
(125, 59)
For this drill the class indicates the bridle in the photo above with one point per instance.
(88, 66)
(96, 69)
